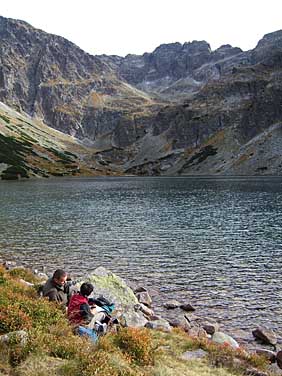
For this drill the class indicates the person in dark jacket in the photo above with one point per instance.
(55, 289)
(79, 309)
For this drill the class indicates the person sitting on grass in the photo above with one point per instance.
(82, 311)
(55, 288)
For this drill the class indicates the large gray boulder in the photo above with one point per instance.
(133, 319)
(113, 288)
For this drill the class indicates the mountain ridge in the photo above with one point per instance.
(171, 111)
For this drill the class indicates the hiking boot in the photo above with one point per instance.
(100, 328)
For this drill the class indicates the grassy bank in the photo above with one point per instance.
(51, 348)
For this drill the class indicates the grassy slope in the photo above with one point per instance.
(30, 148)
(52, 349)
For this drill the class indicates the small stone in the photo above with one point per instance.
(197, 331)
(139, 289)
(159, 325)
(255, 372)
(222, 338)
(274, 369)
(267, 336)
(279, 359)
(270, 355)
(196, 354)
(146, 310)
(172, 304)
(155, 317)
(20, 336)
(10, 265)
(144, 298)
(210, 328)
(180, 322)
(187, 307)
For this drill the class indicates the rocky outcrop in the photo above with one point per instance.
(167, 68)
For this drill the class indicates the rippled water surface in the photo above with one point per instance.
(214, 242)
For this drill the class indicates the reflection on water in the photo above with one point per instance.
(213, 242)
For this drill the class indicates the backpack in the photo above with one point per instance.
(104, 303)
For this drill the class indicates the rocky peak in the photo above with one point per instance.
(269, 50)
(270, 39)
(196, 47)
(225, 51)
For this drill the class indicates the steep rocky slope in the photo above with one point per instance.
(182, 109)
(29, 148)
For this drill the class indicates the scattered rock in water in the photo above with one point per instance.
(180, 322)
(270, 355)
(140, 289)
(265, 335)
(187, 307)
(144, 298)
(172, 304)
(222, 338)
(19, 336)
(197, 331)
(155, 317)
(192, 355)
(160, 324)
(146, 310)
(210, 328)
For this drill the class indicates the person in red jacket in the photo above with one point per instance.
(79, 310)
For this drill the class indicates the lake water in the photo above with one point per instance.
(216, 243)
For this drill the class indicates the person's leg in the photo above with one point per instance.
(98, 317)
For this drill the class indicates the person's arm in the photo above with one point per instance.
(53, 296)
(85, 312)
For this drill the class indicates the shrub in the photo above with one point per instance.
(137, 343)
(25, 274)
(13, 318)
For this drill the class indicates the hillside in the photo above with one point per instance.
(29, 148)
(180, 110)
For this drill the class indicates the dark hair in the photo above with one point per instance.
(59, 273)
(86, 289)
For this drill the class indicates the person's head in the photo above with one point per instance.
(60, 277)
(86, 289)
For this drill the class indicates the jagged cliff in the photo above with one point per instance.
(182, 109)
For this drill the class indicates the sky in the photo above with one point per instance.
(120, 27)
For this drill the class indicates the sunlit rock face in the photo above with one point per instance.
(182, 109)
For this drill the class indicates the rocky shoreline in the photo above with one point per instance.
(135, 308)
